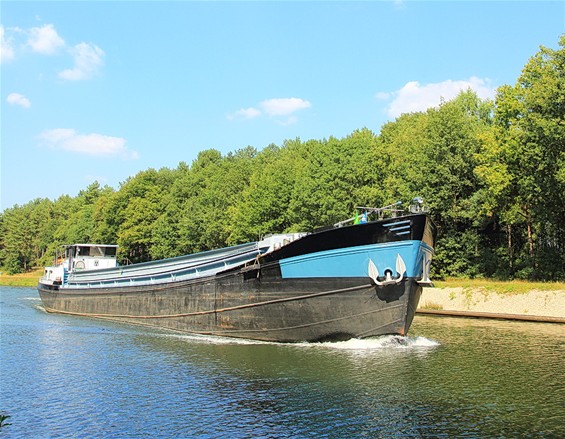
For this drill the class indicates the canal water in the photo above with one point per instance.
(71, 377)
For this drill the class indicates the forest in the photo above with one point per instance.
(491, 171)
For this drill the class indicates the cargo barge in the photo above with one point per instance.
(355, 279)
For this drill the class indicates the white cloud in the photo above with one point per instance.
(413, 96)
(245, 113)
(283, 106)
(45, 39)
(90, 144)
(88, 59)
(275, 108)
(18, 99)
(6, 50)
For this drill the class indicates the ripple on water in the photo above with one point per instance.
(73, 377)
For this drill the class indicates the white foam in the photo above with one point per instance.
(40, 307)
(377, 343)
(354, 344)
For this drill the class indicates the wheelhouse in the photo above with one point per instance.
(90, 256)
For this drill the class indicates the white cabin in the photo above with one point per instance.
(79, 257)
(90, 256)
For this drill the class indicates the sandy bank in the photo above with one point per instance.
(534, 305)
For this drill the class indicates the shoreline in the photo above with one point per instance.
(534, 305)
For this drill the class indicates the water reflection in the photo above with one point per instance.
(73, 377)
(508, 374)
(482, 377)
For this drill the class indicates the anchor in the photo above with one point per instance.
(426, 263)
(388, 280)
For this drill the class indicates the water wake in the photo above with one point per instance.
(354, 344)
(377, 343)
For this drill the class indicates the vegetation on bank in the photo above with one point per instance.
(27, 279)
(498, 286)
(492, 173)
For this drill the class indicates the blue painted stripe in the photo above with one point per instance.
(354, 261)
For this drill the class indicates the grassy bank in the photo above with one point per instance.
(28, 279)
(500, 287)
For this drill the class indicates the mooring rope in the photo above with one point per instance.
(306, 325)
(220, 310)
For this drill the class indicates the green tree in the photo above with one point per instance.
(336, 175)
(134, 209)
(263, 205)
(75, 216)
(23, 237)
(531, 116)
(434, 155)
(399, 158)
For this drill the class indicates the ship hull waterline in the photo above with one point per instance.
(315, 309)
(325, 286)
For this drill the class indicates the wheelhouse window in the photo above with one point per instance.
(84, 251)
(95, 251)
(110, 251)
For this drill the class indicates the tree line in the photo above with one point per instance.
(491, 171)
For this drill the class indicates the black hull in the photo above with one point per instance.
(292, 311)
(315, 288)
(287, 311)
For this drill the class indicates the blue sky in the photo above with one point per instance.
(102, 90)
